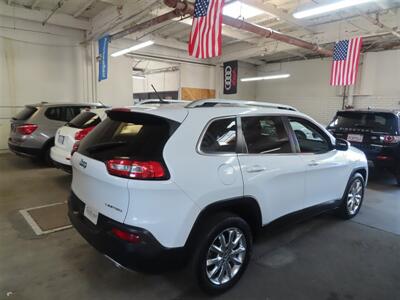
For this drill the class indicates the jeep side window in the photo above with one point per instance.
(65, 113)
(309, 137)
(265, 135)
(220, 137)
(69, 114)
(54, 113)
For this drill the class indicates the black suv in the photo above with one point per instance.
(374, 131)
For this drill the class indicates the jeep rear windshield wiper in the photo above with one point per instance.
(102, 146)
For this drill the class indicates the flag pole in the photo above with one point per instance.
(344, 97)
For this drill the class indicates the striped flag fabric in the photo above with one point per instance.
(205, 39)
(346, 56)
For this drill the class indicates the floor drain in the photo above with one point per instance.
(47, 218)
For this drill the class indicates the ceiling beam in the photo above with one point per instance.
(379, 24)
(35, 3)
(252, 61)
(81, 10)
(53, 11)
(273, 9)
(38, 16)
(168, 42)
(226, 31)
(115, 17)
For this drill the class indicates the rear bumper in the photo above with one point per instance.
(24, 151)
(63, 167)
(146, 256)
(61, 156)
(381, 156)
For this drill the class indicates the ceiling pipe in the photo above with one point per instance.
(269, 33)
(184, 7)
(188, 8)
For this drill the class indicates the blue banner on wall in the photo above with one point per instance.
(103, 53)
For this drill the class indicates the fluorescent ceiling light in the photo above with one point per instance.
(238, 9)
(133, 48)
(269, 77)
(138, 77)
(328, 8)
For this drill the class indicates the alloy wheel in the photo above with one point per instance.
(354, 196)
(226, 256)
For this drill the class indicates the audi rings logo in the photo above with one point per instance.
(228, 77)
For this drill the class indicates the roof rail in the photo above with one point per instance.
(224, 102)
(158, 101)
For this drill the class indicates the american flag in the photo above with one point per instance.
(205, 38)
(346, 56)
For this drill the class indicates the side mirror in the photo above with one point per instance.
(342, 145)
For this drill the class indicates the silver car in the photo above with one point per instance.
(33, 129)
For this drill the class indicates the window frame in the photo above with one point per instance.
(242, 140)
(47, 113)
(200, 140)
(313, 126)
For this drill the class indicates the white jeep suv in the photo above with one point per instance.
(156, 187)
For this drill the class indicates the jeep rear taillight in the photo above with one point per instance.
(391, 139)
(82, 133)
(26, 129)
(135, 169)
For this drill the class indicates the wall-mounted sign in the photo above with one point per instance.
(230, 77)
(103, 54)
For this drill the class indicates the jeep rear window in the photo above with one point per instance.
(376, 122)
(25, 114)
(128, 135)
(84, 120)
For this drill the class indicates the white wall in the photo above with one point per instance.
(117, 89)
(39, 64)
(210, 77)
(198, 76)
(165, 81)
(50, 64)
(245, 90)
(308, 87)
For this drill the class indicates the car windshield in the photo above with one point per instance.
(84, 120)
(377, 122)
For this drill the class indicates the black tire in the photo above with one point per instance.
(397, 174)
(211, 229)
(47, 158)
(345, 211)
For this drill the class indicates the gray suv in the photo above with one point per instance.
(33, 128)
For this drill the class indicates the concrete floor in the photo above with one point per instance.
(323, 258)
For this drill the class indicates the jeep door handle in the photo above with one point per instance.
(313, 163)
(255, 169)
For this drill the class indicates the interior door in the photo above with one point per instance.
(272, 172)
(327, 170)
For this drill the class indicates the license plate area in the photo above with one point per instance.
(358, 138)
(91, 214)
(61, 139)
